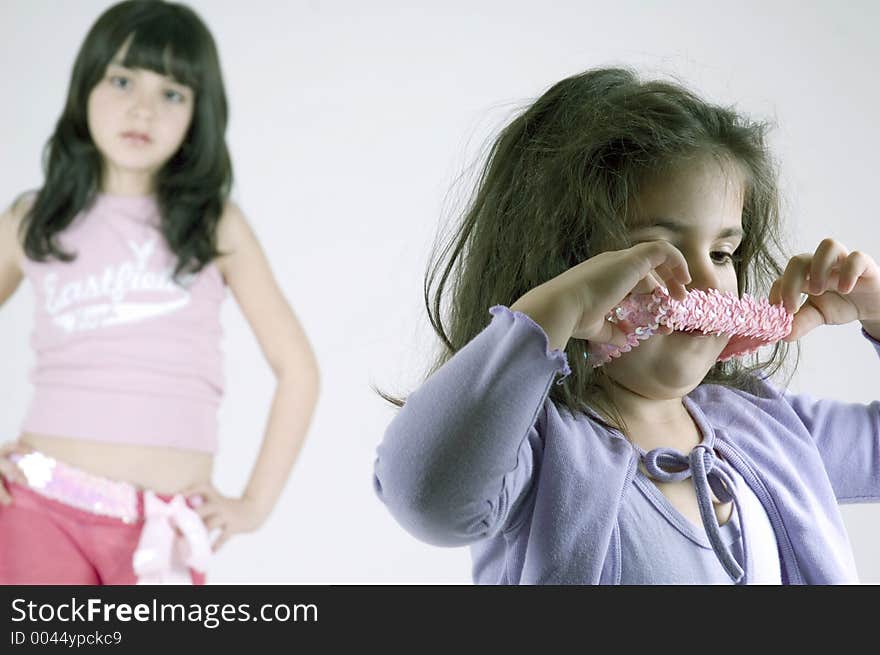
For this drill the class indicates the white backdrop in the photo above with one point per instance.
(350, 123)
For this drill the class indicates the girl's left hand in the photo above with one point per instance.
(842, 286)
(229, 515)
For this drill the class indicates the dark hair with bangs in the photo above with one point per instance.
(560, 185)
(193, 185)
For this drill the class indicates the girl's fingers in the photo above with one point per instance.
(663, 252)
(206, 511)
(852, 269)
(13, 447)
(222, 539)
(8, 468)
(665, 259)
(5, 498)
(656, 280)
(672, 282)
(775, 294)
(831, 283)
(793, 281)
(647, 284)
(832, 267)
(662, 277)
(808, 318)
(674, 274)
(10, 471)
(678, 267)
(611, 333)
(198, 490)
(200, 496)
(214, 522)
(829, 254)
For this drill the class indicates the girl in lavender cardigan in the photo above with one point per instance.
(666, 465)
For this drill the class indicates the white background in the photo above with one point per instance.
(350, 123)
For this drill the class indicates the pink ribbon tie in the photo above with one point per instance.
(173, 540)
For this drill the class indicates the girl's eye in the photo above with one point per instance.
(730, 257)
(174, 96)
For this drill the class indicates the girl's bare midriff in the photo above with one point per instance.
(163, 470)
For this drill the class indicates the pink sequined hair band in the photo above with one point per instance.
(750, 323)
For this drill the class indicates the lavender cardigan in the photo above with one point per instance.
(480, 456)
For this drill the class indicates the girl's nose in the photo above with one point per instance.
(702, 277)
(143, 105)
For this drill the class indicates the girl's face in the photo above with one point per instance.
(697, 207)
(143, 102)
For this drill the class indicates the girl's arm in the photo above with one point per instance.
(847, 435)
(841, 286)
(11, 253)
(286, 349)
(457, 462)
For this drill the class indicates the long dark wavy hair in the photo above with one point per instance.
(558, 187)
(193, 185)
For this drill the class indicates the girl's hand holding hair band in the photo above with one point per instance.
(852, 280)
(748, 323)
(574, 304)
(841, 286)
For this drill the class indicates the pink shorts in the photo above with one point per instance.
(69, 527)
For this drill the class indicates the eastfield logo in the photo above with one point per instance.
(100, 300)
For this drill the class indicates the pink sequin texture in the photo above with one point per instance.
(749, 323)
(53, 479)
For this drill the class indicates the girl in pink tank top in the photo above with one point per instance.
(130, 246)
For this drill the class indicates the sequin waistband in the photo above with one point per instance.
(173, 539)
(77, 488)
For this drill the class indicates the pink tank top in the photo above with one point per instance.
(123, 353)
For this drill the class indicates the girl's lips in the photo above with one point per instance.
(136, 137)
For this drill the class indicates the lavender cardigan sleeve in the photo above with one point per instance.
(847, 436)
(460, 455)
